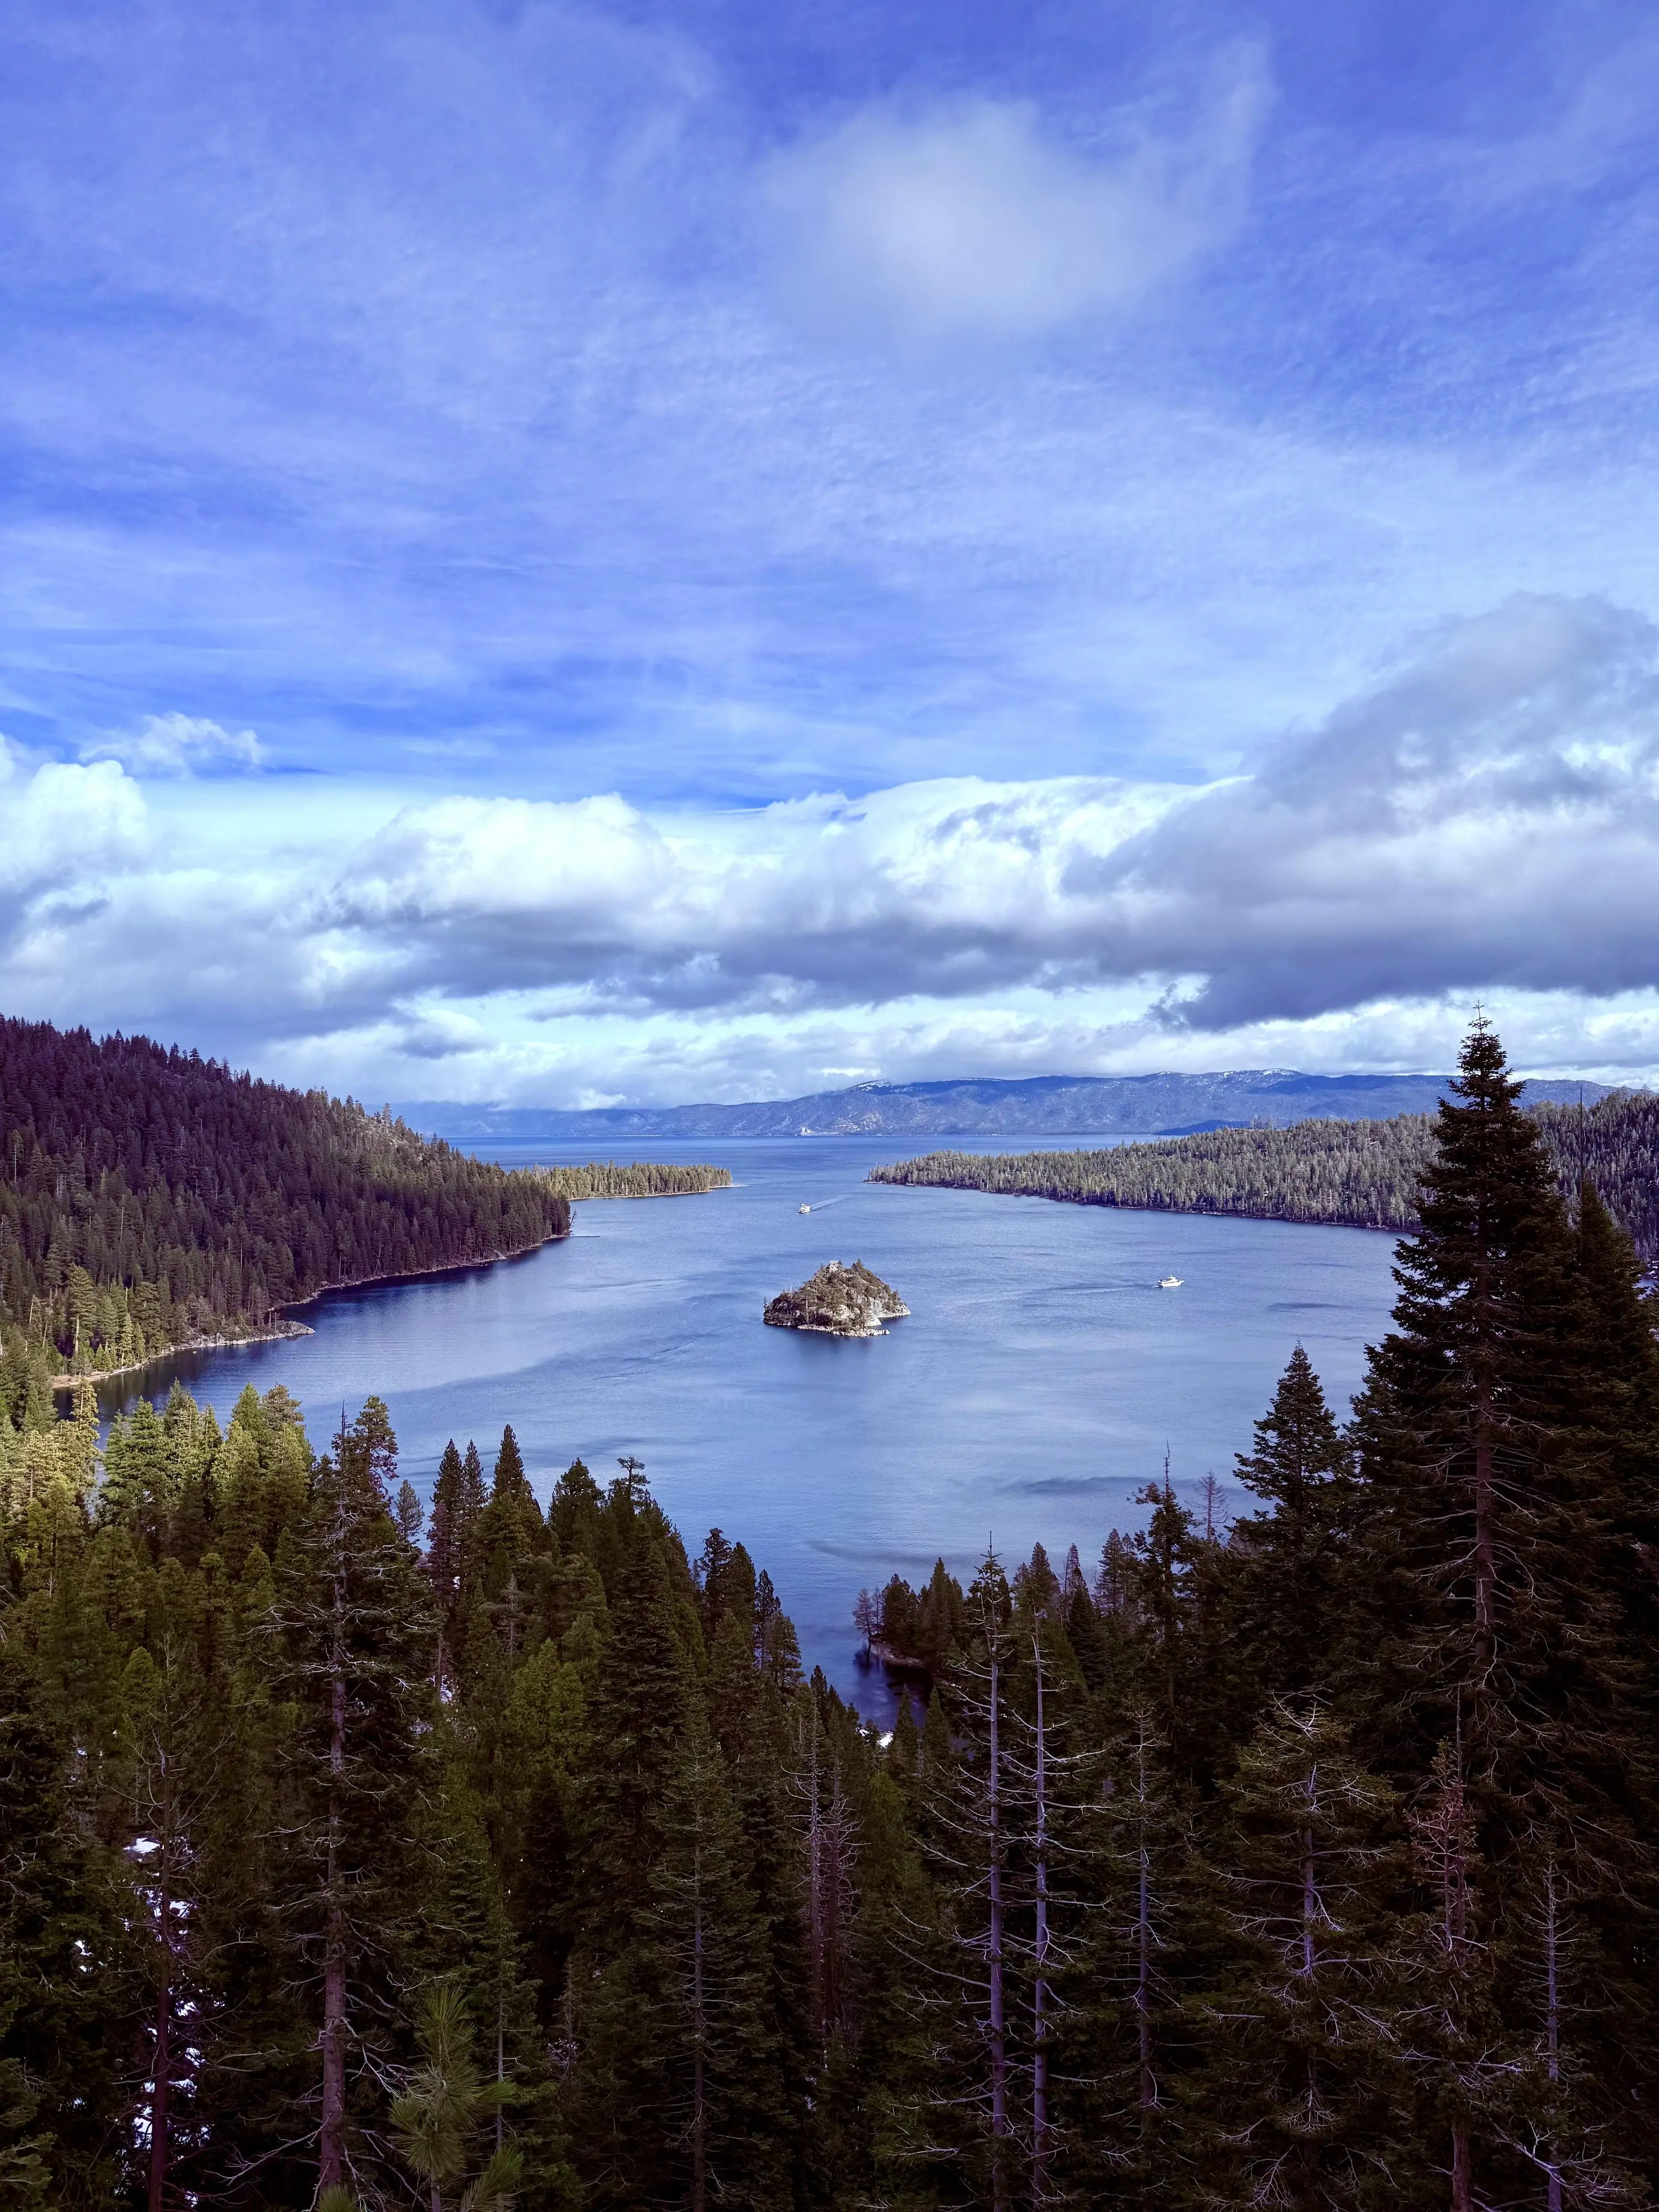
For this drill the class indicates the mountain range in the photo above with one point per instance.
(1039, 1105)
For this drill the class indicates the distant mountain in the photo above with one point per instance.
(1038, 1105)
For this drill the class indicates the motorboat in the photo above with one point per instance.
(806, 1209)
(1168, 1283)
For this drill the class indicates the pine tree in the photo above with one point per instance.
(1052, 1774)
(1485, 1600)
(962, 2125)
(357, 1633)
(443, 1546)
(142, 1476)
(1128, 1988)
(1285, 1558)
(1459, 1410)
(728, 2132)
(643, 1712)
(437, 2121)
(174, 1742)
(1455, 2021)
(65, 1966)
(1304, 2092)
(829, 1856)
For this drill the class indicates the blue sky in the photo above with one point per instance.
(564, 554)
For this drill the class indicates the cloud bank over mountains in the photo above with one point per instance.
(1481, 819)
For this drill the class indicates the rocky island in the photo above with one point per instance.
(838, 1301)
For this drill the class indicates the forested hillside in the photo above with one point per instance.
(150, 1196)
(1308, 1863)
(1368, 1174)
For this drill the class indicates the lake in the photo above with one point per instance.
(1030, 1394)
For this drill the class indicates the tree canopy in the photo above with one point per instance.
(148, 1196)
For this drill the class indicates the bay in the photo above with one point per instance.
(1032, 1392)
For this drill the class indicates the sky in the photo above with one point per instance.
(569, 554)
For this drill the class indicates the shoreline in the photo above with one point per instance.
(415, 1274)
(288, 1329)
(62, 1383)
(1184, 1212)
(633, 1197)
(828, 1328)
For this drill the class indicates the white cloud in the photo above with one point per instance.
(974, 219)
(1483, 819)
(63, 825)
(178, 745)
(1487, 815)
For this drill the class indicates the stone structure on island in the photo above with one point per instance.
(838, 1301)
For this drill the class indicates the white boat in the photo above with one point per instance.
(806, 1209)
(1169, 1283)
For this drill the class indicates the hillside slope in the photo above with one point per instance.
(148, 1197)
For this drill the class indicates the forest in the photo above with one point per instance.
(361, 1855)
(1363, 1174)
(639, 1179)
(150, 1197)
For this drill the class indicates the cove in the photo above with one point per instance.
(1029, 1394)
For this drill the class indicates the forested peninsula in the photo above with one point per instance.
(638, 1179)
(150, 1197)
(1365, 1174)
(356, 1856)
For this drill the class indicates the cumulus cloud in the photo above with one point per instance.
(942, 888)
(1488, 814)
(973, 219)
(61, 827)
(178, 745)
(1483, 819)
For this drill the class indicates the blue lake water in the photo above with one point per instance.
(1030, 1395)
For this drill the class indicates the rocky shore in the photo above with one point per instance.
(273, 1331)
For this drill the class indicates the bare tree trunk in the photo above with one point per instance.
(836, 1855)
(330, 2142)
(1145, 1941)
(167, 1841)
(1309, 1910)
(1456, 1910)
(814, 1891)
(1462, 2195)
(1552, 2006)
(699, 2036)
(1040, 1993)
(1486, 1570)
(501, 2056)
(161, 2084)
(998, 2033)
